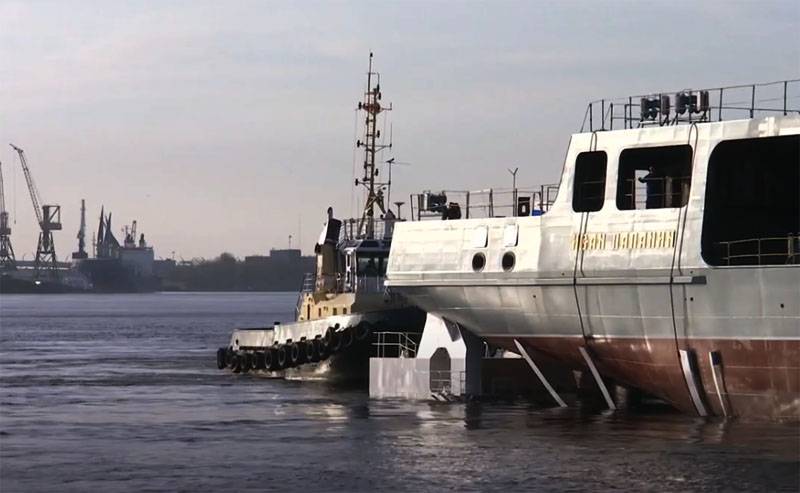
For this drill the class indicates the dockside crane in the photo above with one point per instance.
(81, 253)
(7, 259)
(49, 217)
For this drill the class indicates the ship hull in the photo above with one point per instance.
(761, 377)
(754, 332)
(112, 276)
(10, 284)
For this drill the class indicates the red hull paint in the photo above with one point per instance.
(762, 377)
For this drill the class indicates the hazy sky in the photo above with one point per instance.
(221, 126)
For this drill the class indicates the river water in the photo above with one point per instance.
(121, 393)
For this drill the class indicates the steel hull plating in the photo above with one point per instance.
(631, 286)
(761, 374)
(761, 377)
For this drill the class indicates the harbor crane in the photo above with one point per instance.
(49, 217)
(7, 260)
(81, 253)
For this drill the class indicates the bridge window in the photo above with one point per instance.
(372, 265)
(590, 181)
(654, 177)
(752, 209)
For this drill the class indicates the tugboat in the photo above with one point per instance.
(344, 301)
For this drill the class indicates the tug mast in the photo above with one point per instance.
(371, 106)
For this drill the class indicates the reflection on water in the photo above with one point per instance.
(121, 393)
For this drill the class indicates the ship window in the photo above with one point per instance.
(752, 206)
(654, 177)
(590, 181)
(480, 237)
(372, 265)
(508, 261)
(511, 235)
(478, 262)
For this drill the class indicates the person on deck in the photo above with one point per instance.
(654, 189)
(371, 269)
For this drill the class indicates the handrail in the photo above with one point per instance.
(775, 250)
(370, 284)
(490, 202)
(441, 381)
(672, 192)
(695, 106)
(377, 228)
(403, 343)
(309, 282)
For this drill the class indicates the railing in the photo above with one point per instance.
(309, 282)
(337, 283)
(370, 284)
(671, 191)
(396, 344)
(762, 251)
(375, 228)
(694, 106)
(492, 202)
(441, 382)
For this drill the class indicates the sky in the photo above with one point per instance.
(228, 126)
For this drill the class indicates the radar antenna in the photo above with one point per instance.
(371, 144)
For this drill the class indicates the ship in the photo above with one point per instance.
(667, 262)
(344, 302)
(126, 267)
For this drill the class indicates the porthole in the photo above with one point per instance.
(478, 262)
(508, 261)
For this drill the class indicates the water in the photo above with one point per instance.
(121, 393)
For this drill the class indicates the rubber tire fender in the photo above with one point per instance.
(236, 363)
(334, 340)
(346, 338)
(258, 360)
(221, 358)
(270, 360)
(329, 338)
(311, 352)
(363, 330)
(294, 354)
(283, 360)
(323, 351)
